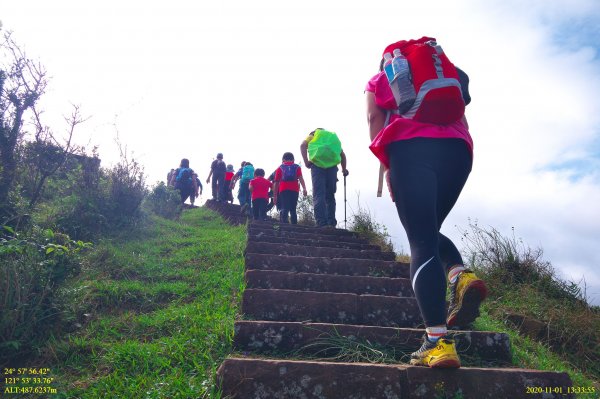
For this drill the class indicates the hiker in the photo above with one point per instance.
(198, 190)
(237, 176)
(228, 189)
(170, 177)
(322, 152)
(286, 188)
(427, 164)
(259, 187)
(244, 194)
(272, 202)
(217, 171)
(182, 179)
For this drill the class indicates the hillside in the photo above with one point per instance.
(154, 312)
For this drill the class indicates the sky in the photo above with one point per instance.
(174, 79)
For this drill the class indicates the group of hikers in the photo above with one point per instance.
(419, 133)
(322, 153)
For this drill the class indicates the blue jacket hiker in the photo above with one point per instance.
(183, 180)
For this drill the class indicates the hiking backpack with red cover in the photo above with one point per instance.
(435, 79)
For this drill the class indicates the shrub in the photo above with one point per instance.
(164, 201)
(364, 223)
(32, 266)
(126, 190)
(98, 201)
(305, 210)
(509, 260)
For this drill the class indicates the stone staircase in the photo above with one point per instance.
(231, 213)
(321, 304)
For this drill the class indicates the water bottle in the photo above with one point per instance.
(401, 84)
(387, 66)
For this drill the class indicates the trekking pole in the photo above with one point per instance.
(380, 181)
(345, 228)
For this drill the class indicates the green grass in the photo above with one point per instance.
(153, 314)
(530, 354)
(160, 305)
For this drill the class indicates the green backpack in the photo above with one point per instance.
(324, 149)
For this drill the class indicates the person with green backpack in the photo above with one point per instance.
(322, 153)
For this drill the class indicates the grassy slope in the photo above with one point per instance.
(163, 303)
(529, 354)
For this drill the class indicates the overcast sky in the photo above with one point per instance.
(251, 79)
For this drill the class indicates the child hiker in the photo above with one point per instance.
(228, 189)
(286, 188)
(259, 187)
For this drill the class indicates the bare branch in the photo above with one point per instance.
(46, 142)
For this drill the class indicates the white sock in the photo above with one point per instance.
(435, 333)
(454, 272)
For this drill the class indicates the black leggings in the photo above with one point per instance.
(427, 176)
(259, 208)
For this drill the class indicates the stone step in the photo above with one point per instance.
(315, 339)
(303, 229)
(254, 230)
(300, 250)
(274, 279)
(335, 266)
(233, 216)
(328, 307)
(314, 242)
(242, 378)
(221, 206)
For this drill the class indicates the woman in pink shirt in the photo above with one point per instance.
(427, 166)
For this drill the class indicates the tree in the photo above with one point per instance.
(48, 152)
(22, 83)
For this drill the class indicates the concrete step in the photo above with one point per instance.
(315, 339)
(300, 250)
(274, 279)
(328, 307)
(304, 229)
(312, 242)
(345, 267)
(242, 378)
(255, 230)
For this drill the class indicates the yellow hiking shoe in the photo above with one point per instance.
(466, 294)
(440, 354)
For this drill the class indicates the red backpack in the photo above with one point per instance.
(439, 98)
